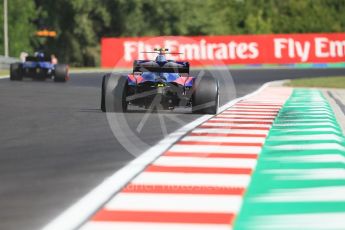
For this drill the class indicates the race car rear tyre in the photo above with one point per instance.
(205, 99)
(61, 73)
(115, 93)
(16, 72)
(104, 83)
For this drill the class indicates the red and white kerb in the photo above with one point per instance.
(199, 183)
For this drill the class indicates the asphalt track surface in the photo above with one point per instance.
(56, 145)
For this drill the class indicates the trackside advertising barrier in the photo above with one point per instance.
(229, 50)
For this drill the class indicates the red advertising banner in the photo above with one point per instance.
(228, 50)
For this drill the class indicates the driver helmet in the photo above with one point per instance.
(39, 54)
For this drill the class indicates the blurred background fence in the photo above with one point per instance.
(6, 61)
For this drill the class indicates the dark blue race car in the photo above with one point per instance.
(38, 67)
(159, 84)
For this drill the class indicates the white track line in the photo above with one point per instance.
(229, 131)
(229, 112)
(175, 202)
(192, 179)
(244, 120)
(75, 215)
(248, 116)
(205, 162)
(227, 139)
(216, 149)
(217, 124)
(242, 106)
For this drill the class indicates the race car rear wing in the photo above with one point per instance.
(168, 67)
(37, 59)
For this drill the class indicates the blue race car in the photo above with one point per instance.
(159, 84)
(38, 67)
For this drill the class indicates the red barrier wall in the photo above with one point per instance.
(227, 50)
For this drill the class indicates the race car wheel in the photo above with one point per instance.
(115, 93)
(205, 98)
(61, 73)
(104, 83)
(16, 72)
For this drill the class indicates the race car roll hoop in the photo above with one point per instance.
(159, 84)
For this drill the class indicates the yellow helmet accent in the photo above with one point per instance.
(161, 50)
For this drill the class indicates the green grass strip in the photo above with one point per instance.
(300, 171)
(321, 82)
